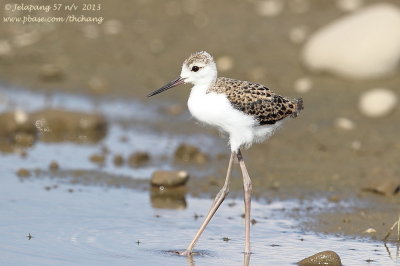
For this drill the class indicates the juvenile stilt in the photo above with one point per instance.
(247, 111)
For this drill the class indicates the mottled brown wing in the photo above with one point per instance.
(257, 100)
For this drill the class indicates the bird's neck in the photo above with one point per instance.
(203, 85)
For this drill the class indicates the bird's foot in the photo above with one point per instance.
(185, 253)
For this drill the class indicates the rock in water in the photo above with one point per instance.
(327, 257)
(364, 44)
(377, 102)
(169, 178)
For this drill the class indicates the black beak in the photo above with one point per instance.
(171, 84)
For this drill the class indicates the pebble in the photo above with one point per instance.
(112, 26)
(97, 85)
(361, 45)
(349, 5)
(298, 34)
(303, 85)
(270, 8)
(54, 166)
(174, 109)
(138, 159)
(24, 139)
(377, 102)
(169, 178)
(118, 160)
(22, 172)
(385, 187)
(5, 48)
(60, 125)
(344, 123)
(327, 257)
(356, 145)
(20, 116)
(190, 154)
(50, 72)
(224, 63)
(370, 231)
(299, 6)
(97, 158)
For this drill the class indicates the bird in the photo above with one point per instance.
(247, 112)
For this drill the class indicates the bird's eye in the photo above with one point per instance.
(195, 68)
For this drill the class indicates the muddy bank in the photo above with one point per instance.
(21, 129)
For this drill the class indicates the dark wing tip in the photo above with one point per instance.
(299, 107)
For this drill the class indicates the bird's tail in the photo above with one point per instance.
(299, 106)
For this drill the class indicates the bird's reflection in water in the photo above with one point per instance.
(191, 262)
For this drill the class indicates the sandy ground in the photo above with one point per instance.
(140, 46)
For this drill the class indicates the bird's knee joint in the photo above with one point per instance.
(248, 187)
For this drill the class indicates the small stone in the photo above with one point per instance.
(54, 166)
(138, 159)
(370, 231)
(20, 116)
(386, 187)
(299, 6)
(97, 85)
(298, 34)
(50, 72)
(377, 102)
(341, 46)
(24, 139)
(22, 172)
(344, 123)
(118, 160)
(97, 158)
(5, 48)
(303, 85)
(349, 5)
(356, 145)
(112, 27)
(174, 109)
(224, 63)
(270, 8)
(327, 257)
(169, 178)
(334, 198)
(190, 154)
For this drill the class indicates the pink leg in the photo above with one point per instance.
(247, 186)
(214, 207)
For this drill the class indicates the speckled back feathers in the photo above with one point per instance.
(257, 100)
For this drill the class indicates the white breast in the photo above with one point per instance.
(216, 110)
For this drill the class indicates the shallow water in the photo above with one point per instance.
(94, 224)
(107, 226)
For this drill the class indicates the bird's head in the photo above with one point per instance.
(198, 69)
